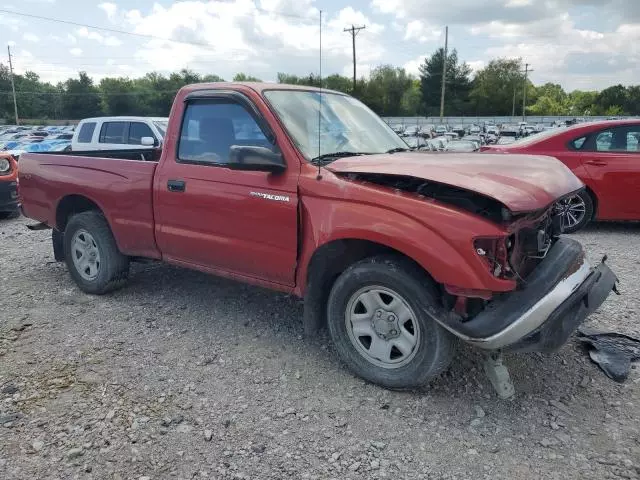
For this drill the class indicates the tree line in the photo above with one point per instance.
(497, 89)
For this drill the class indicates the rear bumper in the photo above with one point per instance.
(8, 196)
(562, 291)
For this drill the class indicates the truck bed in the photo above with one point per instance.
(120, 188)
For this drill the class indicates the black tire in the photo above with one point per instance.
(113, 271)
(588, 214)
(435, 347)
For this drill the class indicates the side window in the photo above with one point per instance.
(113, 132)
(578, 143)
(86, 132)
(603, 141)
(619, 139)
(211, 127)
(137, 130)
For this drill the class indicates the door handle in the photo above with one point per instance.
(597, 163)
(176, 185)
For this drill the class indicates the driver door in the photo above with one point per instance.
(212, 217)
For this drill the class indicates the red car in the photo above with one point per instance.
(399, 253)
(605, 156)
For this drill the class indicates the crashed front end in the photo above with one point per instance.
(550, 303)
(556, 287)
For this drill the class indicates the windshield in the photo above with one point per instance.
(346, 125)
(162, 126)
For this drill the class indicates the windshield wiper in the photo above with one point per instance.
(399, 149)
(334, 155)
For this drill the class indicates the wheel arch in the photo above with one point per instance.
(72, 204)
(325, 266)
(594, 200)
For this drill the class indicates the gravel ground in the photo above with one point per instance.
(182, 375)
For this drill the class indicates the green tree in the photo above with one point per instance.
(581, 102)
(549, 99)
(119, 97)
(242, 77)
(458, 83)
(288, 78)
(411, 103)
(211, 78)
(36, 99)
(610, 98)
(496, 86)
(81, 98)
(548, 105)
(339, 83)
(385, 89)
(155, 94)
(632, 104)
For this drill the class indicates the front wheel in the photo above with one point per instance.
(380, 320)
(92, 256)
(576, 212)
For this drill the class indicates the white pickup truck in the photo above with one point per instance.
(113, 133)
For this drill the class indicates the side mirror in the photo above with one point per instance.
(147, 141)
(254, 158)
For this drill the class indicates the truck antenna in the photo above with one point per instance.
(319, 176)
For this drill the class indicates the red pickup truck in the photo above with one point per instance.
(307, 191)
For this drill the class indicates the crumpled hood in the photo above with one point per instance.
(523, 183)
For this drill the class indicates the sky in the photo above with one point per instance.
(581, 44)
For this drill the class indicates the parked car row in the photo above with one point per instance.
(21, 139)
(490, 132)
(444, 143)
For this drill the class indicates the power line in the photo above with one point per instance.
(118, 94)
(134, 34)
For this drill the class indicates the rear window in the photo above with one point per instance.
(86, 132)
(137, 130)
(113, 132)
(578, 143)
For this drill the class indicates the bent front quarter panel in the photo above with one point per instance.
(120, 188)
(436, 236)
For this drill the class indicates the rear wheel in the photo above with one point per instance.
(91, 254)
(380, 319)
(576, 212)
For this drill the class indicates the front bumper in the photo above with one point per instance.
(558, 295)
(8, 196)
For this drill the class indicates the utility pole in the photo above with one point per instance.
(444, 71)
(354, 31)
(513, 108)
(13, 86)
(524, 91)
